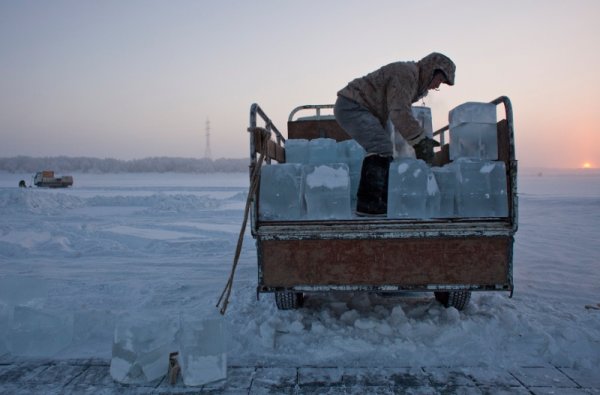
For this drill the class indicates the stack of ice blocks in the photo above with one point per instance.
(316, 182)
(480, 179)
(413, 191)
(473, 132)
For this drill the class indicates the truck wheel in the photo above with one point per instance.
(286, 300)
(457, 299)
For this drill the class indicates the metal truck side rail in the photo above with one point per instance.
(269, 126)
(316, 107)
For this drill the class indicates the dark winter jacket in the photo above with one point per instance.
(390, 91)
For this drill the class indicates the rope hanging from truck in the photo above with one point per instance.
(262, 136)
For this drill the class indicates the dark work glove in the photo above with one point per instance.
(424, 149)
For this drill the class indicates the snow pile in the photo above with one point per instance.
(160, 202)
(361, 330)
(37, 202)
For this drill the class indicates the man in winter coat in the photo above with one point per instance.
(364, 106)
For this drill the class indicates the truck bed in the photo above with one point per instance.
(381, 254)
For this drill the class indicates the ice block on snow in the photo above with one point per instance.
(327, 191)
(296, 151)
(202, 351)
(5, 323)
(472, 112)
(281, 192)
(141, 350)
(39, 333)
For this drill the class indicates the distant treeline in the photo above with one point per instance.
(66, 164)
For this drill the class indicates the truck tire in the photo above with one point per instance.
(457, 299)
(286, 300)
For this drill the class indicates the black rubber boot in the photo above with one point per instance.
(373, 186)
(424, 149)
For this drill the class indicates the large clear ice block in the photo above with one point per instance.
(472, 112)
(202, 351)
(481, 189)
(5, 324)
(296, 151)
(474, 140)
(434, 198)
(141, 350)
(499, 188)
(322, 151)
(410, 186)
(423, 115)
(446, 181)
(39, 333)
(352, 153)
(327, 191)
(281, 192)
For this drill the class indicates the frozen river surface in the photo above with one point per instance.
(154, 247)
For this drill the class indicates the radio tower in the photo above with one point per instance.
(207, 154)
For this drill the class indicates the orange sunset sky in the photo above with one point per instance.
(132, 79)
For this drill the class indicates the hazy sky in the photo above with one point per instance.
(132, 79)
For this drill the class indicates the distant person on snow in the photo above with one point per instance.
(364, 106)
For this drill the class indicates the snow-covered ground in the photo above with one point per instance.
(154, 247)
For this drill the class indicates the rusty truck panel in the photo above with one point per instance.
(403, 263)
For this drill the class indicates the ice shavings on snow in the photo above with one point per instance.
(418, 331)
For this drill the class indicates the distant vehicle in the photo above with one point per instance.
(47, 179)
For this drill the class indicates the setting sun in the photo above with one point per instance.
(587, 165)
